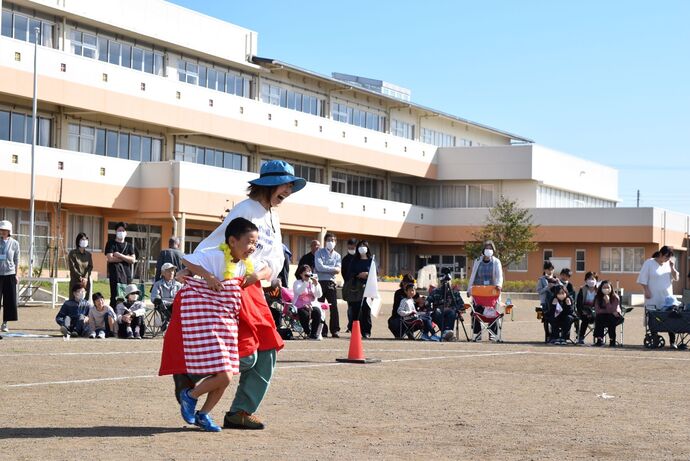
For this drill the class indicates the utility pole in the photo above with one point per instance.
(638, 198)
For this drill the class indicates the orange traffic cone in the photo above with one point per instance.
(356, 353)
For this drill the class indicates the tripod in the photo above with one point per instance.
(451, 299)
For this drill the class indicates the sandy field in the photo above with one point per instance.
(521, 400)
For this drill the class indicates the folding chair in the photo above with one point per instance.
(484, 312)
(411, 328)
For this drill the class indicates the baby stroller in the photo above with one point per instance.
(484, 312)
(669, 319)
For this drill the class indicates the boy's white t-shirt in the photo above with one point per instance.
(269, 248)
(213, 260)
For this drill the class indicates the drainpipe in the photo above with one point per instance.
(172, 198)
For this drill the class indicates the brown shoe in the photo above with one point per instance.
(242, 420)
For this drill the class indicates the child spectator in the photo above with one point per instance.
(208, 317)
(101, 318)
(130, 314)
(307, 290)
(564, 279)
(560, 314)
(608, 314)
(408, 312)
(584, 304)
(73, 315)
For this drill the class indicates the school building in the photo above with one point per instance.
(157, 115)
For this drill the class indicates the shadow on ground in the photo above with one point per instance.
(97, 431)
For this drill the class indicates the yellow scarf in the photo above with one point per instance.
(230, 266)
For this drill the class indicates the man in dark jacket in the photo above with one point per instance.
(74, 313)
(172, 255)
(309, 257)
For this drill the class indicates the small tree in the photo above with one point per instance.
(511, 229)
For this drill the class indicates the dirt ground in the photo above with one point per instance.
(521, 400)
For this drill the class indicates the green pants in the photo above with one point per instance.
(256, 371)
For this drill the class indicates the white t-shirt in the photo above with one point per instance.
(269, 248)
(658, 280)
(213, 260)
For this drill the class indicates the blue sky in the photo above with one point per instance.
(603, 80)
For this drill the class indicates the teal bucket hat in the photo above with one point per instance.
(276, 172)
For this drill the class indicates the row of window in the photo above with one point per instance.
(113, 143)
(549, 197)
(613, 259)
(358, 117)
(437, 138)
(18, 127)
(278, 96)
(214, 79)
(119, 53)
(23, 27)
(353, 184)
(449, 196)
(212, 157)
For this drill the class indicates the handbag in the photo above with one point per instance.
(353, 290)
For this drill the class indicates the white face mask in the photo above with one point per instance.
(591, 283)
(79, 296)
(83, 243)
(121, 235)
(362, 250)
(606, 291)
(488, 252)
(330, 245)
(133, 297)
(350, 251)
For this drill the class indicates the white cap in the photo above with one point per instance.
(167, 266)
(131, 288)
(6, 225)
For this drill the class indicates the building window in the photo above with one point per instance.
(213, 78)
(18, 127)
(22, 27)
(399, 259)
(548, 254)
(211, 157)
(453, 196)
(549, 197)
(99, 141)
(354, 184)
(402, 129)
(83, 44)
(290, 99)
(520, 266)
(401, 192)
(437, 138)
(92, 226)
(358, 117)
(579, 260)
(622, 259)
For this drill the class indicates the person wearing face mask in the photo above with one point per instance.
(130, 314)
(347, 260)
(80, 263)
(608, 314)
(328, 264)
(73, 316)
(584, 305)
(120, 256)
(656, 278)
(486, 270)
(9, 261)
(560, 314)
(359, 272)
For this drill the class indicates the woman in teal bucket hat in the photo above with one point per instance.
(276, 182)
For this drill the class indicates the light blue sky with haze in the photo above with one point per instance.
(604, 80)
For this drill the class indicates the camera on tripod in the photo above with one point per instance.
(445, 275)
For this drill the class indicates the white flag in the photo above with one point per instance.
(371, 290)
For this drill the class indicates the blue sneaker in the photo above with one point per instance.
(435, 338)
(204, 421)
(187, 407)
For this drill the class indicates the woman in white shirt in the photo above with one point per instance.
(656, 278)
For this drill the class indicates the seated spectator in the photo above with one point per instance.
(399, 295)
(560, 314)
(446, 304)
(407, 310)
(101, 318)
(584, 305)
(130, 314)
(307, 290)
(544, 285)
(608, 314)
(564, 279)
(73, 315)
(164, 290)
(274, 299)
